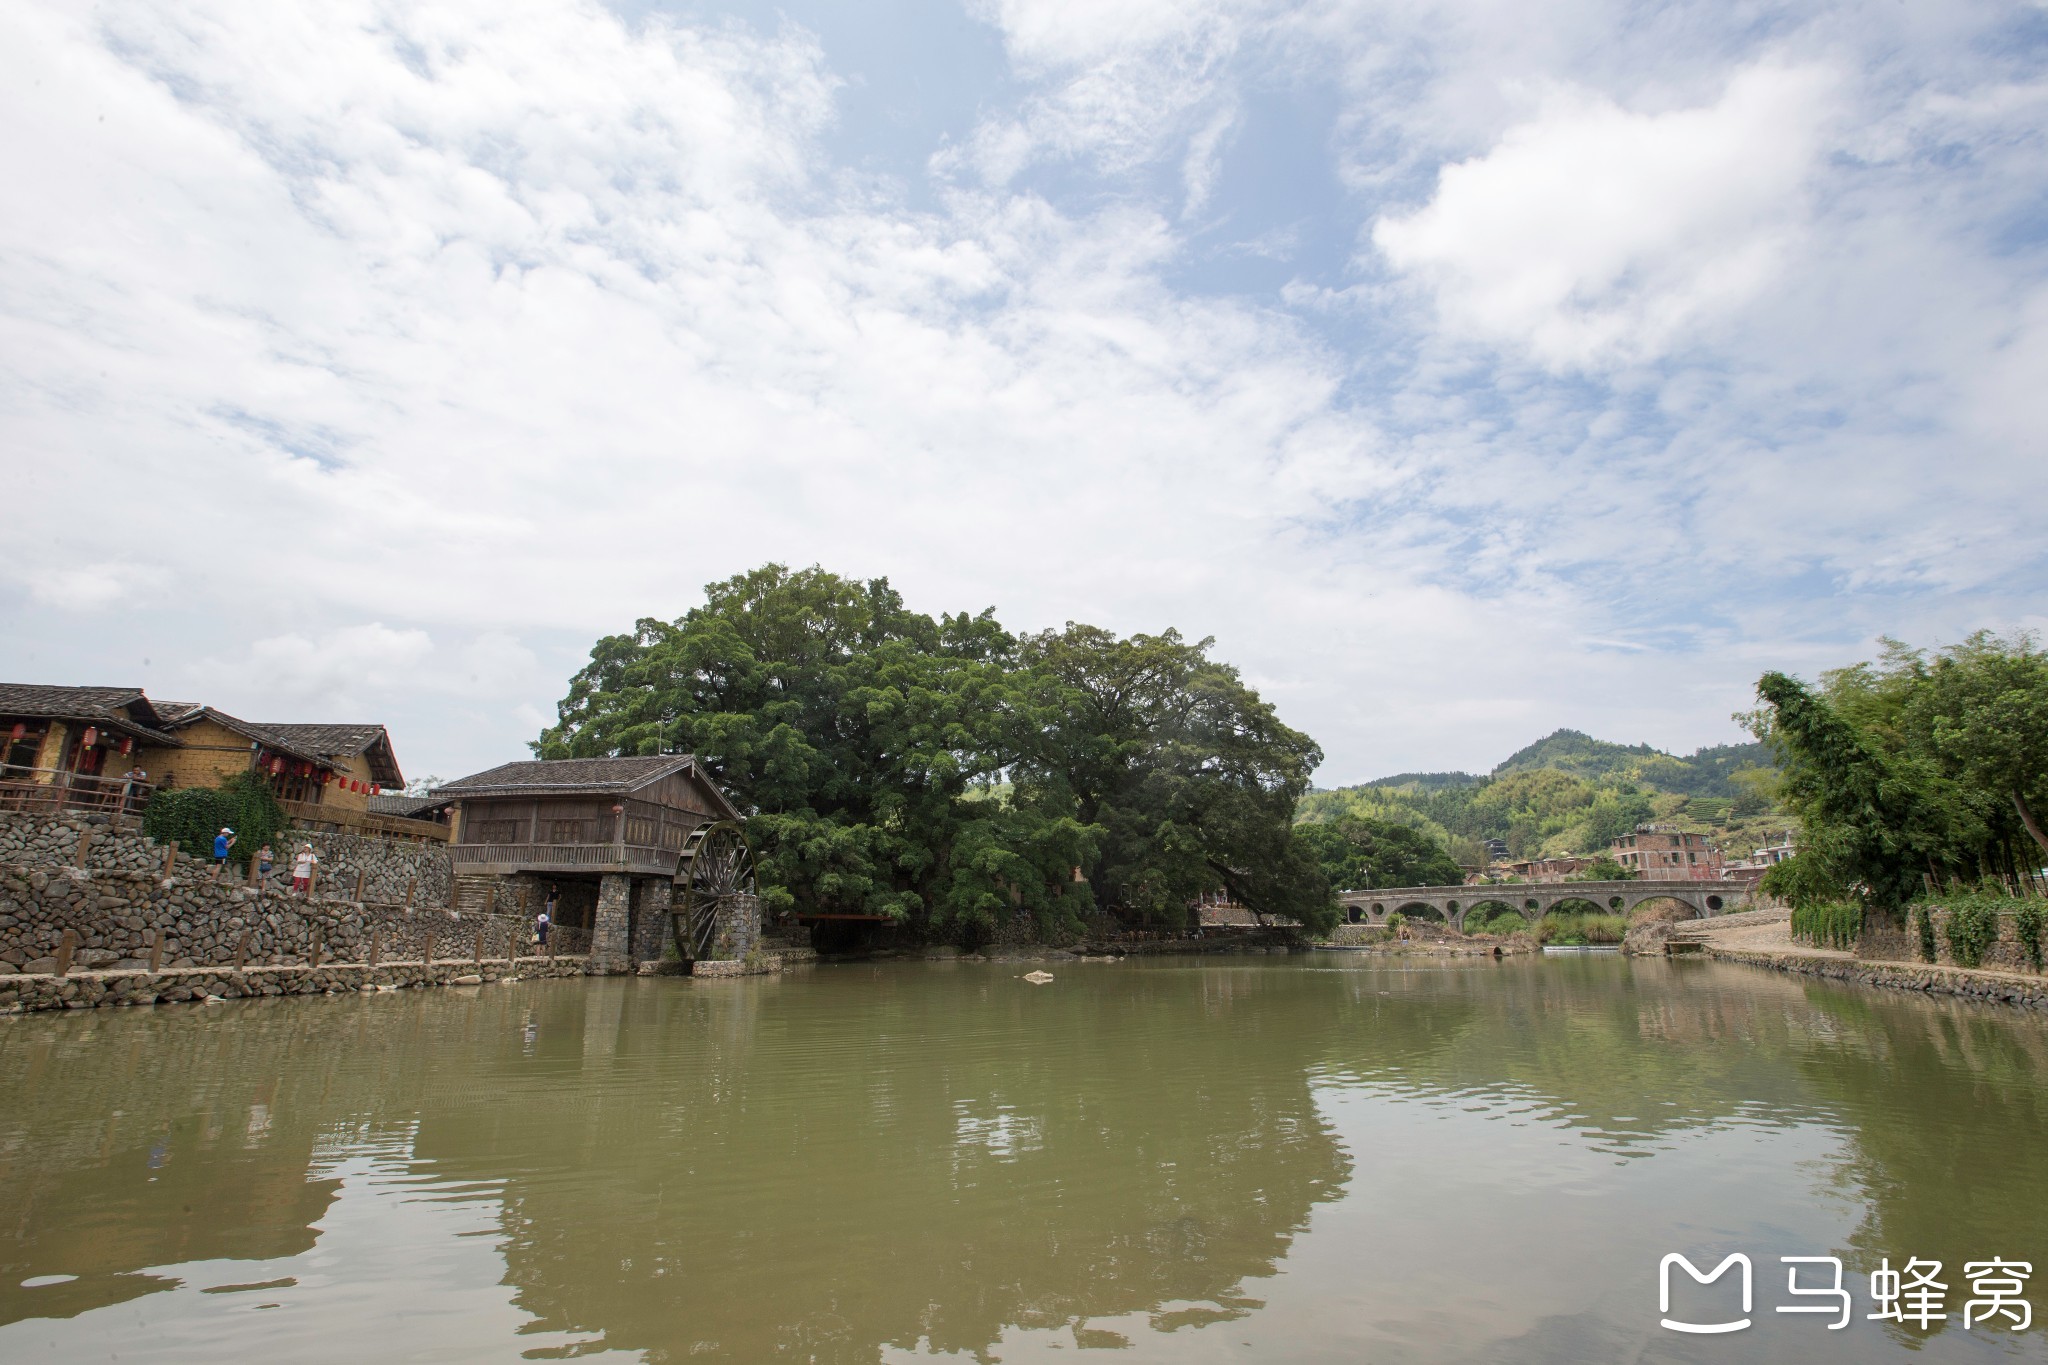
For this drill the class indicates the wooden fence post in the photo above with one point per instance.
(411, 887)
(373, 949)
(361, 873)
(156, 952)
(241, 950)
(427, 954)
(84, 842)
(253, 874)
(479, 946)
(66, 947)
(317, 945)
(312, 883)
(170, 860)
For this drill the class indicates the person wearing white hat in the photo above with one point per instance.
(222, 842)
(302, 868)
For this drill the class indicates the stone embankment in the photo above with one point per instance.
(1763, 938)
(92, 912)
(90, 989)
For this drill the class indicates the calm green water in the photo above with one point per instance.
(1317, 1158)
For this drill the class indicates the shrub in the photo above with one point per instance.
(1972, 929)
(191, 816)
(2026, 925)
(1581, 929)
(1828, 924)
(1924, 922)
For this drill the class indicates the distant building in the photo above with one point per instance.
(1660, 853)
(1772, 854)
(1561, 868)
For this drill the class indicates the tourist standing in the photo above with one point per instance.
(541, 925)
(263, 860)
(222, 842)
(302, 868)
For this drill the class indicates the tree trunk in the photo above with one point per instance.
(2027, 819)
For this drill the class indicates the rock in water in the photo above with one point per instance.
(1038, 978)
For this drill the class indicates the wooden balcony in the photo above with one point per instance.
(309, 815)
(476, 859)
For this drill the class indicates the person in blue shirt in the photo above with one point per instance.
(222, 842)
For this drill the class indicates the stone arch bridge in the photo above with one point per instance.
(1533, 900)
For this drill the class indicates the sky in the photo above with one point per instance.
(1466, 368)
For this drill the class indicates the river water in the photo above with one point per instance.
(1318, 1158)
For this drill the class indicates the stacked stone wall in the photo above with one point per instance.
(106, 885)
(1884, 941)
(388, 868)
(89, 990)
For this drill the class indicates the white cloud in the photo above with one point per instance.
(1592, 234)
(404, 351)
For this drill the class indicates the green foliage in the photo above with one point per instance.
(1358, 853)
(1567, 929)
(1499, 919)
(1923, 925)
(1971, 930)
(1603, 869)
(1708, 773)
(1828, 924)
(1915, 766)
(191, 816)
(1800, 880)
(2026, 927)
(945, 773)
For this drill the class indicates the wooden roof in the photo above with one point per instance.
(584, 777)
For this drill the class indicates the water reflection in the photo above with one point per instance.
(1304, 1160)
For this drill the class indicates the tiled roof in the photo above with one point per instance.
(328, 741)
(122, 708)
(322, 744)
(410, 807)
(592, 775)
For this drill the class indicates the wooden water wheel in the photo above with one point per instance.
(717, 867)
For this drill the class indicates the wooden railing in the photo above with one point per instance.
(44, 789)
(310, 815)
(567, 856)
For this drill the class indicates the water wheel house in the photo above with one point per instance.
(610, 839)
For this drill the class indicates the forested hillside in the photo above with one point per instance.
(1571, 793)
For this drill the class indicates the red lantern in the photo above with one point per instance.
(92, 736)
(127, 746)
(19, 730)
(376, 789)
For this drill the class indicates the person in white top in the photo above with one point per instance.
(302, 868)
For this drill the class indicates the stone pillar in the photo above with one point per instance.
(651, 936)
(739, 927)
(611, 930)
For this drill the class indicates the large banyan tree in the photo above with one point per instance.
(947, 773)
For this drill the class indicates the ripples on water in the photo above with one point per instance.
(1312, 1159)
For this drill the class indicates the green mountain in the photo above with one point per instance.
(1571, 793)
(1709, 772)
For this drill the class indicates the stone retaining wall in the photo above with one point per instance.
(88, 990)
(391, 871)
(1882, 941)
(2028, 992)
(118, 917)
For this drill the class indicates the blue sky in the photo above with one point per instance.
(1467, 369)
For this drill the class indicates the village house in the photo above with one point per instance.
(604, 837)
(1666, 853)
(75, 745)
(112, 748)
